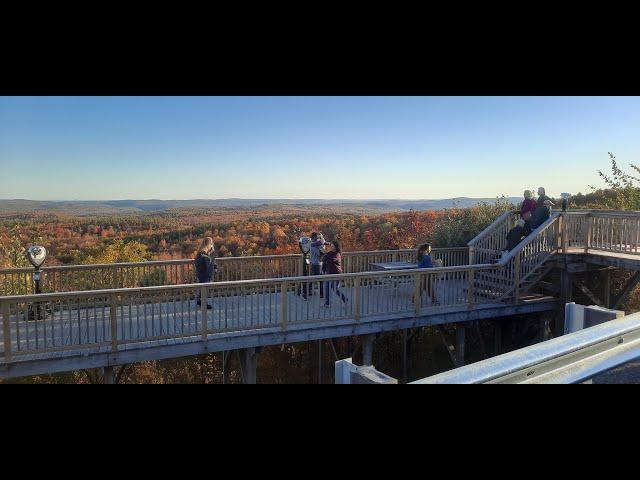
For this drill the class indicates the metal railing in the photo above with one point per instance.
(572, 358)
(70, 278)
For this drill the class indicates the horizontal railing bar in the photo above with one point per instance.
(493, 224)
(146, 264)
(218, 259)
(238, 283)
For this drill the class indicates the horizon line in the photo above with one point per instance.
(257, 198)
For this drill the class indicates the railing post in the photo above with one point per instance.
(516, 277)
(565, 235)
(113, 315)
(417, 293)
(204, 301)
(283, 305)
(562, 227)
(587, 240)
(356, 298)
(471, 293)
(472, 254)
(6, 330)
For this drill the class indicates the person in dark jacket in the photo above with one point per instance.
(517, 234)
(205, 265)
(332, 265)
(425, 261)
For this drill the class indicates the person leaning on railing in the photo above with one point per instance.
(205, 264)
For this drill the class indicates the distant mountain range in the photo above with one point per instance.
(114, 207)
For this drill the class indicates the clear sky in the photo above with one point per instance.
(96, 148)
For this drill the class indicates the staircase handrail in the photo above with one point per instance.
(501, 219)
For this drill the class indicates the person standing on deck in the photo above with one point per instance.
(316, 251)
(543, 200)
(332, 265)
(205, 264)
(425, 261)
(424, 256)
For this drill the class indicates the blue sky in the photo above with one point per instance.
(95, 148)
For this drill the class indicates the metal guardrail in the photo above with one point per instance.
(572, 358)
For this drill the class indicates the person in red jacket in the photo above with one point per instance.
(332, 265)
(528, 205)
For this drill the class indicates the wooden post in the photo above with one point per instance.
(472, 255)
(367, 348)
(113, 315)
(471, 295)
(566, 287)
(563, 233)
(460, 344)
(606, 288)
(417, 293)
(483, 348)
(545, 329)
(319, 362)
(404, 354)
(108, 376)
(226, 363)
(283, 305)
(587, 239)
(204, 301)
(6, 330)
(356, 298)
(516, 277)
(249, 361)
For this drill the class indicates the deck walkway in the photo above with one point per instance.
(84, 329)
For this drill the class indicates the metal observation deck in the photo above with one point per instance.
(106, 315)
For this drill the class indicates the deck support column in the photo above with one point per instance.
(108, 376)
(249, 362)
(544, 329)
(497, 338)
(226, 357)
(405, 352)
(460, 342)
(566, 286)
(606, 288)
(367, 349)
(319, 362)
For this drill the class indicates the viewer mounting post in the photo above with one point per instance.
(36, 256)
(305, 247)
